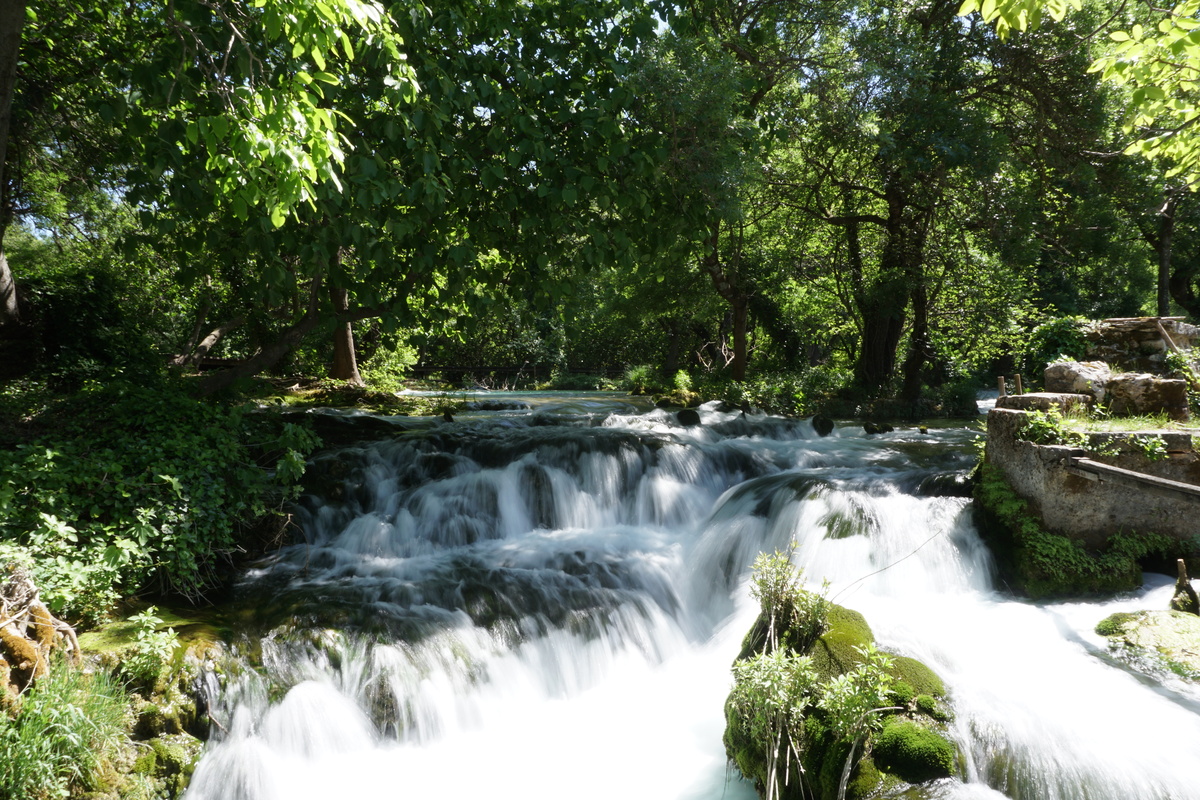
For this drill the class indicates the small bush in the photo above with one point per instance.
(151, 650)
(1056, 338)
(388, 367)
(795, 616)
(643, 379)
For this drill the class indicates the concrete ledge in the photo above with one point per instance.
(1044, 401)
(1087, 507)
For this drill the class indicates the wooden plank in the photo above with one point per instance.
(1128, 477)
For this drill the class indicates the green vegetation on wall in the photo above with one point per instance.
(1040, 563)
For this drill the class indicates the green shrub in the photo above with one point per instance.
(388, 367)
(67, 726)
(795, 616)
(141, 487)
(151, 650)
(1055, 338)
(643, 379)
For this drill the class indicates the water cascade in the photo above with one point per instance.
(546, 603)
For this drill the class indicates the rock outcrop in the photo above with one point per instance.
(1159, 643)
(908, 749)
(1122, 393)
(1079, 377)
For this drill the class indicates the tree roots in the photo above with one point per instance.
(28, 632)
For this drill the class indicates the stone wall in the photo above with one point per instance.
(1087, 510)
(1136, 344)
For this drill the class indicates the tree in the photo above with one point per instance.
(203, 90)
(1158, 63)
(12, 21)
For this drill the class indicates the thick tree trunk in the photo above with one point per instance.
(12, 21)
(345, 364)
(10, 312)
(884, 305)
(918, 347)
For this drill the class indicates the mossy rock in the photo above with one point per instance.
(921, 678)
(838, 649)
(912, 752)
(169, 761)
(1156, 642)
(1114, 624)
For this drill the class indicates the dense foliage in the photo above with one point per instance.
(136, 489)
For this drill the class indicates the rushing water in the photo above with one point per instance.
(545, 604)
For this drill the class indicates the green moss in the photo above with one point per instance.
(930, 707)
(913, 752)
(1114, 624)
(921, 678)
(836, 651)
(902, 693)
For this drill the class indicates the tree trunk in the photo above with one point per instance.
(202, 348)
(10, 312)
(12, 21)
(884, 304)
(741, 315)
(725, 283)
(1162, 249)
(918, 343)
(266, 358)
(345, 365)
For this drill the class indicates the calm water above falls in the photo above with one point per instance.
(545, 604)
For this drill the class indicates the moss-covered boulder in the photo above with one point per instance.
(914, 751)
(1159, 643)
(840, 648)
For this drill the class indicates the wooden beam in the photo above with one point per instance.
(1096, 471)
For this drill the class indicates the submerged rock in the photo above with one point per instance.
(822, 424)
(1156, 642)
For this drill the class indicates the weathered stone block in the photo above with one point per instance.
(1044, 401)
(1142, 393)
(1079, 377)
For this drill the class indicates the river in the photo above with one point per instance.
(544, 603)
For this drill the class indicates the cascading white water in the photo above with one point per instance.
(543, 606)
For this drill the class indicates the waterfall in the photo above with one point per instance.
(546, 603)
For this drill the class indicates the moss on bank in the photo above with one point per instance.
(1040, 563)
(166, 721)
